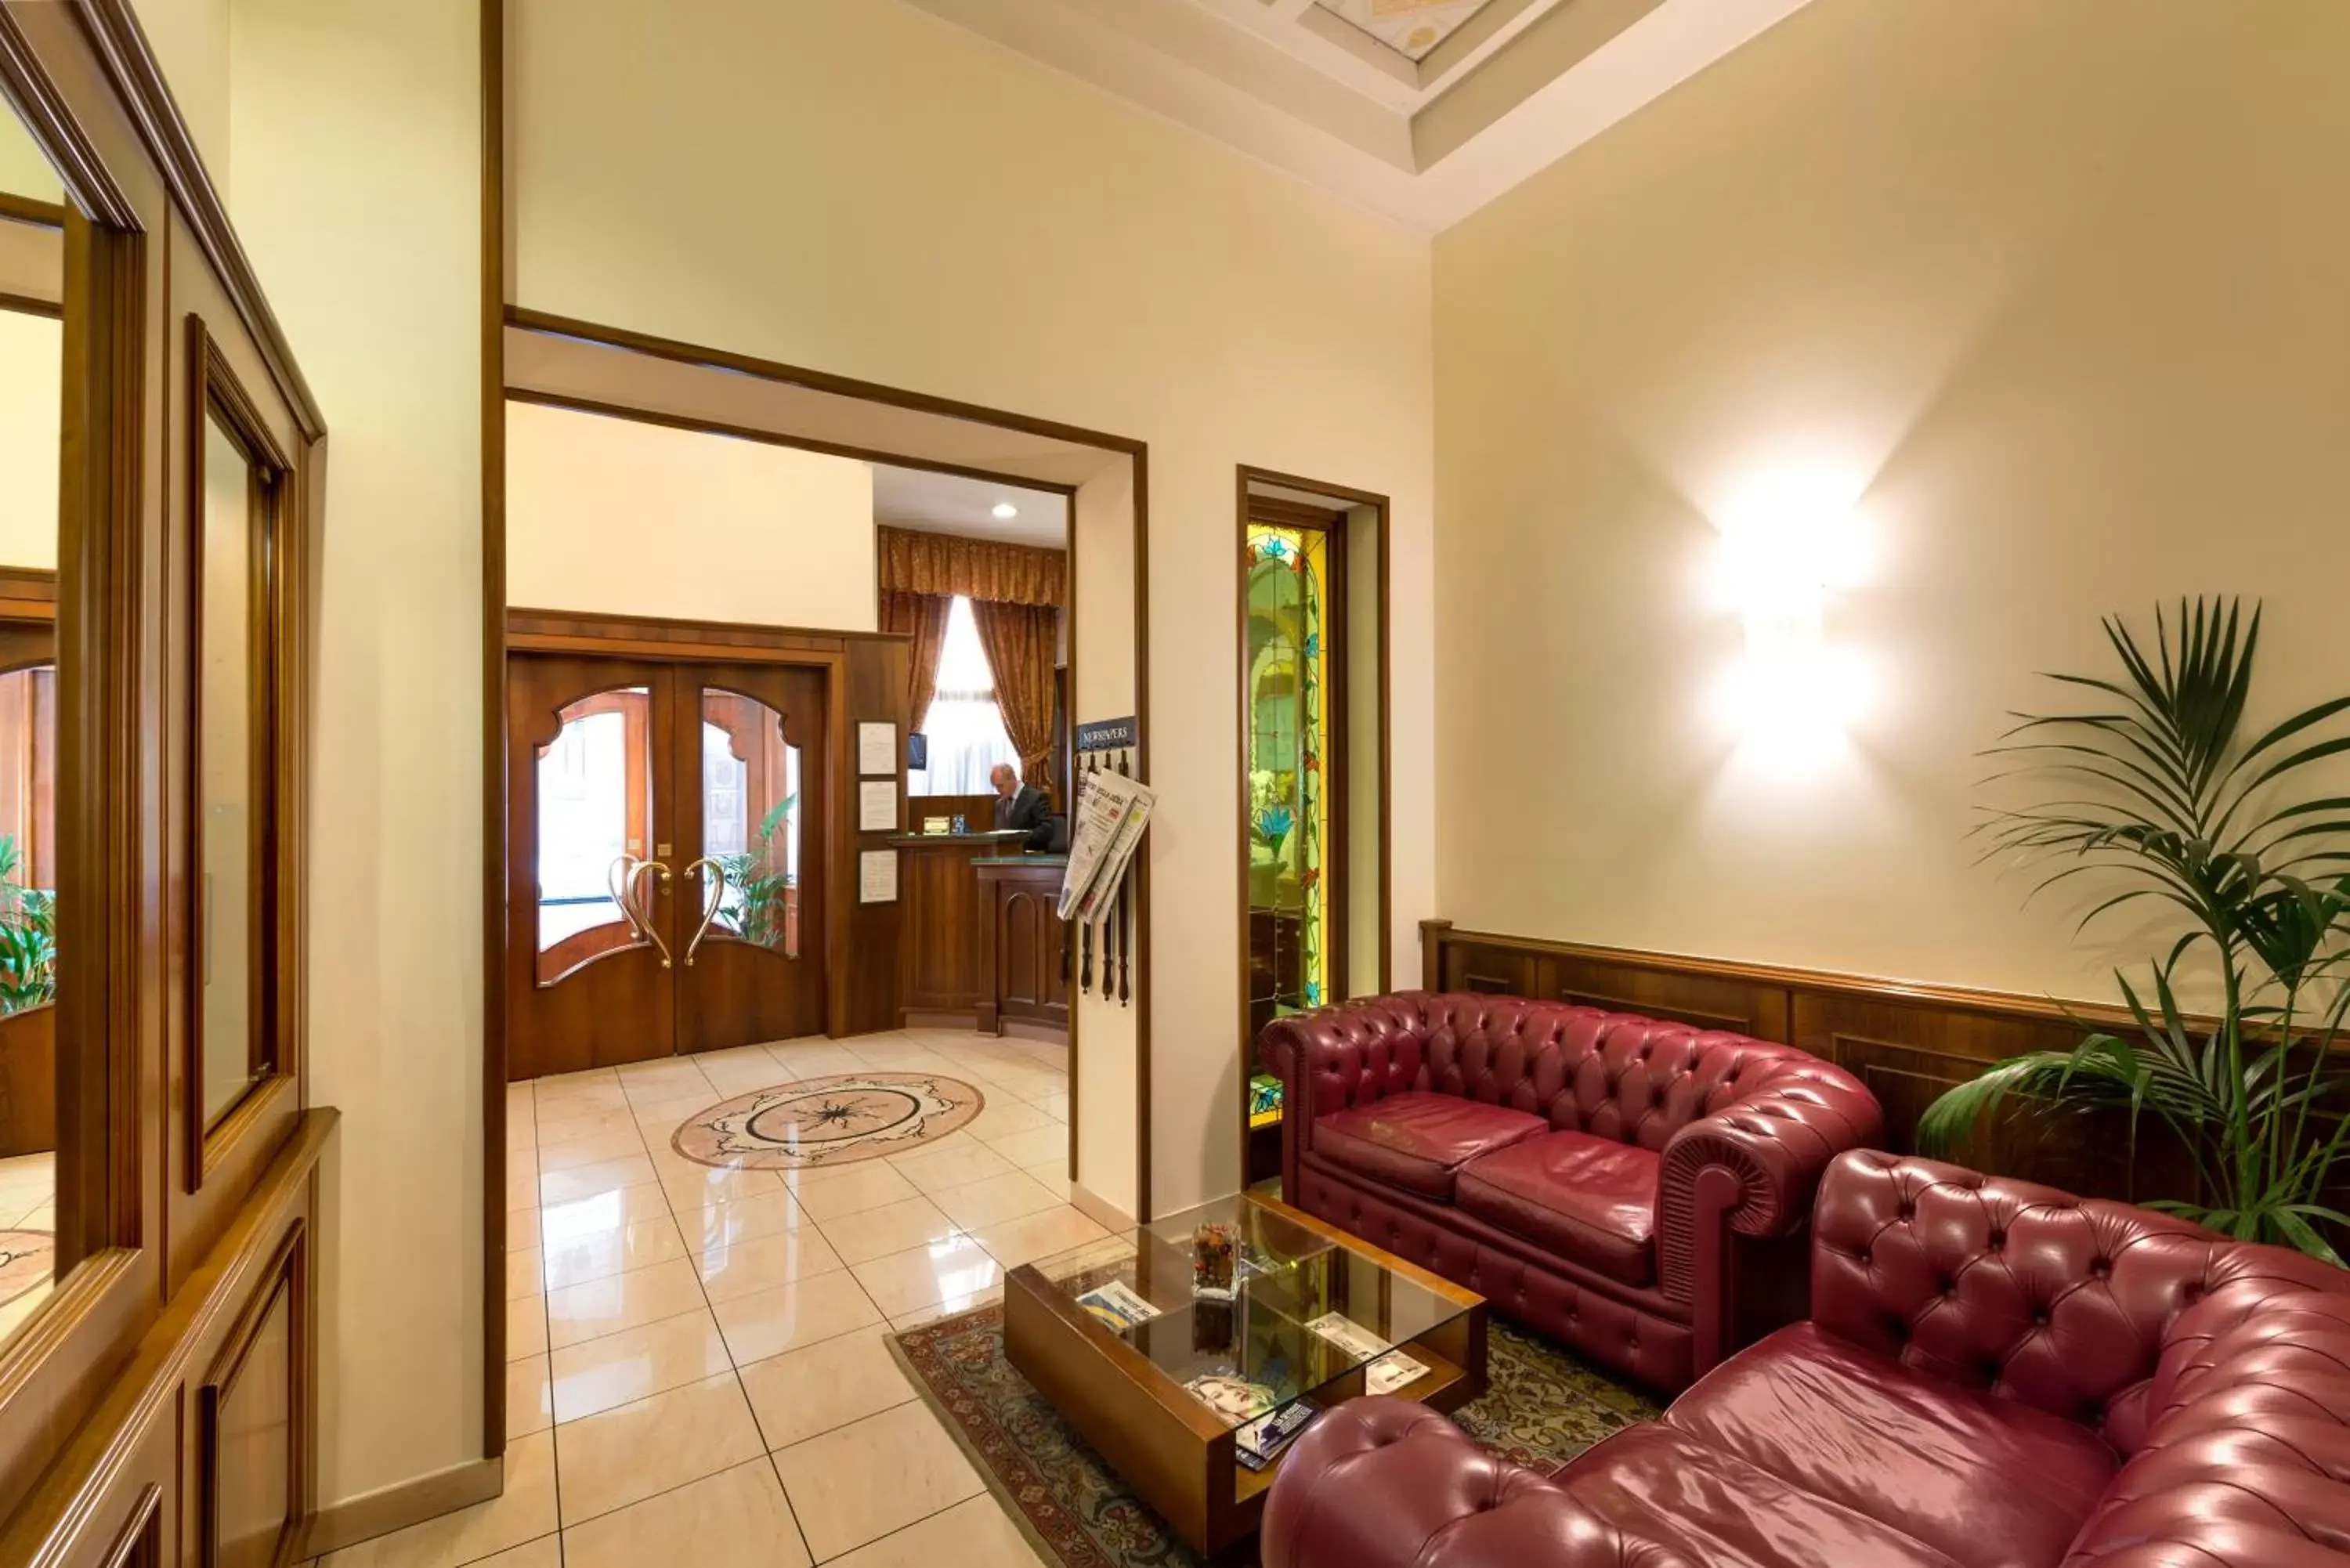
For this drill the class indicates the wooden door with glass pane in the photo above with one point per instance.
(592, 922)
(754, 966)
(666, 882)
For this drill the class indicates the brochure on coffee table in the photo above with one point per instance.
(1389, 1372)
(1116, 1305)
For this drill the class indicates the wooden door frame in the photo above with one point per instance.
(1245, 475)
(668, 640)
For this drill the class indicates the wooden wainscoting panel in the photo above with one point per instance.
(1706, 1001)
(252, 1424)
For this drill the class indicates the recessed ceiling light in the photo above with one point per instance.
(1004, 509)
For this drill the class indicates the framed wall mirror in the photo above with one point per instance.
(32, 307)
(238, 489)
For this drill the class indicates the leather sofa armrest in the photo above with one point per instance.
(1751, 1169)
(1777, 1142)
(1385, 1483)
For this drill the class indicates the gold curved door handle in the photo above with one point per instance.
(617, 878)
(640, 912)
(714, 895)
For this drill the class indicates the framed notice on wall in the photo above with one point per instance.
(876, 748)
(877, 806)
(877, 877)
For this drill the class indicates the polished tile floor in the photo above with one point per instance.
(28, 1190)
(697, 1368)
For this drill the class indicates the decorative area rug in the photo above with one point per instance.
(1543, 1406)
(828, 1121)
(27, 1258)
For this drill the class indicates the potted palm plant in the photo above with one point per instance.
(2156, 789)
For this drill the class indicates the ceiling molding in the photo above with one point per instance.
(1514, 86)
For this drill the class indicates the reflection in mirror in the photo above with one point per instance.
(595, 820)
(228, 771)
(32, 341)
(751, 819)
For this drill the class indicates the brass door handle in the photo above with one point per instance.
(616, 878)
(714, 895)
(638, 912)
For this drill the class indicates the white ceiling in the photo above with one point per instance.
(935, 503)
(1421, 109)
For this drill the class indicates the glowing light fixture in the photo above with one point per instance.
(1788, 546)
(1003, 511)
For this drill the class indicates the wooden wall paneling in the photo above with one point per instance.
(56, 1370)
(148, 1430)
(1908, 1041)
(223, 377)
(251, 1417)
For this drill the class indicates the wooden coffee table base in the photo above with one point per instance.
(1167, 1445)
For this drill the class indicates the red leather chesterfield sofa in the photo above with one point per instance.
(1995, 1375)
(1585, 1171)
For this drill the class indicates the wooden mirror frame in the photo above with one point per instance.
(214, 392)
(57, 1368)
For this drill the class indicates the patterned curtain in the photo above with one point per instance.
(982, 570)
(1021, 640)
(924, 617)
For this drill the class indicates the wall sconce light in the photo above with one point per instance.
(1789, 545)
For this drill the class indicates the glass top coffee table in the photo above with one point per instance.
(1159, 1380)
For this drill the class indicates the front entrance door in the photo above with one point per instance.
(666, 885)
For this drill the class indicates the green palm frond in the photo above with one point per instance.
(2154, 790)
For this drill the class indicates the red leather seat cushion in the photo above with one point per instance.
(1992, 1482)
(1589, 1199)
(1677, 1500)
(1416, 1140)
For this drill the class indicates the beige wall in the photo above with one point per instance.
(2056, 290)
(31, 415)
(870, 192)
(637, 519)
(190, 40)
(357, 144)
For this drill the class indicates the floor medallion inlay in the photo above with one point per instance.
(835, 1121)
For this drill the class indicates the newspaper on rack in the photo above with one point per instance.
(1112, 811)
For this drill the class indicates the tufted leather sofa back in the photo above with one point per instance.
(2246, 1457)
(2085, 1309)
(1612, 1074)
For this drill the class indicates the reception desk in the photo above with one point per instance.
(979, 945)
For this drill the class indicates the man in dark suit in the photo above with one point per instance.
(1019, 807)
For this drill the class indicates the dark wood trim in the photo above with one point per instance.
(814, 380)
(1143, 1210)
(140, 1543)
(579, 405)
(25, 210)
(56, 1369)
(1436, 935)
(214, 390)
(138, 80)
(90, 183)
(1333, 522)
(27, 593)
(286, 1276)
(494, 935)
(656, 636)
(146, 1390)
(26, 304)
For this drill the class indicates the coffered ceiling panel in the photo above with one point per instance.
(1410, 27)
(1421, 110)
